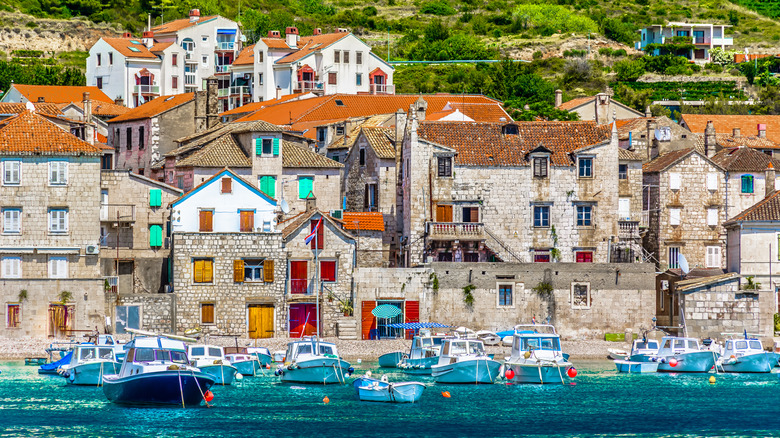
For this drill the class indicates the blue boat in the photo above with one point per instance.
(51, 368)
(745, 356)
(639, 359)
(89, 362)
(536, 356)
(465, 361)
(263, 355)
(310, 360)
(683, 355)
(373, 390)
(423, 354)
(211, 360)
(391, 360)
(156, 371)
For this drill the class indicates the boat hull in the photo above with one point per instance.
(376, 391)
(538, 373)
(247, 367)
(324, 370)
(419, 367)
(468, 371)
(694, 362)
(158, 388)
(264, 359)
(627, 366)
(391, 360)
(754, 363)
(223, 374)
(90, 373)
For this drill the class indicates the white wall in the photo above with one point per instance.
(756, 249)
(114, 74)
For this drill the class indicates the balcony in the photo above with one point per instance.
(456, 231)
(701, 41)
(628, 230)
(382, 89)
(723, 41)
(225, 46)
(239, 91)
(189, 58)
(306, 86)
(189, 80)
(299, 286)
(645, 219)
(222, 69)
(146, 89)
(223, 92)
(117, 213)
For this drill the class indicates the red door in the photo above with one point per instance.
(303, 318)
(367, 319)
(412, 314)
(299, 274)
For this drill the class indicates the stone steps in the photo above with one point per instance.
(347, 329)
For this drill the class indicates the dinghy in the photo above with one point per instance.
(373, 390)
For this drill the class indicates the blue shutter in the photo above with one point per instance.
(270, 182)
(155, 236)
(258, 146)
(155, 198)
(305, 185)
(276, 147)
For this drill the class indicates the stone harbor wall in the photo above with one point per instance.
(725, 309)
(157, 312)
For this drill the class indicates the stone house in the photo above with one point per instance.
(662, 133)
(228, 259)
(601, 108)
(369, 231)
(50, 280)
(346, 132)
(526, 192)
(135, 231)
(757, 131)
(747, 179)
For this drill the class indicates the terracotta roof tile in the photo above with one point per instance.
(100, 109)
(223, 152)
(485, 144)
(366, 221)
(744, 160)
(60, 93)
(312, 44)
(40, 108)
(129, 48)
(302, 220)
(155, 107)
(661, 162)
(246, 56)
(276, 43)
(28, 134)
(194, 142)
(183, 23)
(767, 209)
(725, 124)
(159, 47)
(339, 143)
(381, 141)
(627, 155)
(299, 156)
(574, 103)
(254, 106)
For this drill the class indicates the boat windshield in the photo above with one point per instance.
(427, 342)
(457, 348)
(551, 344)
(86, 353)
(326, 349)
(106, 353)
(198, 351)
(756, 345)
(649, 344)
(304, 349)
(150, 355)
(693, 345)
(742, 345)
(476, 348)
(215, 352)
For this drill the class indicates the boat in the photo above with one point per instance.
(211, 360)
(536, 356)
(638, 360)
(745, 356)
(156, 371)
(35, 361)
(488, 337)
(246, 364)
(423, 354)
(278, 356)
(262, 354)
(616, 353)
(683, 355)
(373, 390)
(464, 361)
(65, 350)
(627, 366)
(310, 360)
(391, 360)
(88, 364)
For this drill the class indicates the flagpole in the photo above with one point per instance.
(317, 273)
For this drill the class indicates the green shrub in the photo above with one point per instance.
(619, 53)
(549, 19)
(574, 53)
(538, 54)
(629, 70)
(437, 8)
(31, 24)
(605, 51)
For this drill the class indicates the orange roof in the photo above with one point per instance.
(765, 210)
(276, 43)
(60, 93)
(124, 45)
(246, 56)
(182, 23)
(311, 44)
(155, 107)
(748, 124)
(40, 108)
(159, 47)
(574, 103)
(31, 134)
(367, 221)
(254, 106)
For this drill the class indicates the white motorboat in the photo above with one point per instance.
(247, 364)
(488, 337)
(382, 390)
(310, 360)
(89, 363)
(638, 360)
(464, 361)
(536, 356)
(745, 356)
(211, 360)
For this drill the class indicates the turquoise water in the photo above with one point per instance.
(599, 402)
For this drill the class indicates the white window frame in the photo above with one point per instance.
(255, 266)
(588, 296)
(675, 217)
(64, 220)
(58, 267)
(517, 288)
(712, 181)
(712, 256)
(12, 267)
(712, 217)
(675, 181)
(58, 173)
(11, 167)
(8, 219)
(624, 209)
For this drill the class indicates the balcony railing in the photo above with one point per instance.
(299, 286)
(724, 41)
(628, 230)
(644, 221)
(456, 230)
(382, 89)
(222, 68)
(189, 79)
(304, 86)
(189, 58)
(222, 46)
(237, 91)
(147, 89)
(117, 213)
(223, 92)
(701, 40)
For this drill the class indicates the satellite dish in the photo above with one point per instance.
(683, 262)
(285, 207)
(30, 107)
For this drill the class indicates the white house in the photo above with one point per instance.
(703, 36)
(225, 203)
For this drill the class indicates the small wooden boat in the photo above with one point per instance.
(391, 360)
(488, 337)
(464, 361)
(373, 390)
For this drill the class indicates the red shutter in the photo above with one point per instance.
(320, 242)
(368, 321)
(412, 314)
(328, 270)
(227, 185)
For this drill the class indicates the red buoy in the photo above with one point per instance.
(509, 374)
(208, 396)
(672, 362)
(446, 394)
(268, 366)
(326, 400)
(572, 372)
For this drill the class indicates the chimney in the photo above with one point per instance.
(119, 101)
(736, 133)
(558, 98)
(420, 107)
(127, 35)
(274, 34)
(710, 140)
(400, 124)
(291, 36)
(769, 179)
(652, 149)
(317, 31)
(212, 104)
(311, 202)
(343, 30)
(761, 130)
(87, 104)
(194, 15)
(602, 108)
(148, 39)
(648, 113)
(278, 92)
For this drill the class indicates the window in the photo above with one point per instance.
(205, 61)
(116, 138)
(328, 270)
(541, 256)
(246, 220)
(471, 214)
(155, 236)
(369, 197)
(747, 183)
(12, 173)
(260, 56)
(58, 173)
(622, 171)
(584, 257)
(206, 220)
(175, 82)
(319, 241)
(12, 221)
(129, 139)
(336, 56)
(580, 295)
(674, 181)
(58, 220)
(260, 79)
(268, 185)
(624, 209)
(207, 313)
(674, 257)
(359, 58)
(12, 319)
(99, 84)
(110, 58)
(540, 167)
(203, 270)
(332, 79)
(713, 257)
(362, 156)
(674, 216)
(345, 58)
(12, 267)
(305, 186)
(505, 295)
(99, 59)
(141, 138)
(174, 60)
(267, 146)
(359, 79)
(541, 216)
(58, 267)
(445, 167)
(180, 182)
(712, 181)
(227, 185)
(586, 167)
(584, 215)
(712, 217)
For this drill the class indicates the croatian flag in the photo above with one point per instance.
(314, 231)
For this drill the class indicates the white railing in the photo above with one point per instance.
(628, 229)
(310, 85)
(724, 41)
(225, 45)
(237, 91)
(453, 230)
(147, 89)
(222, 68)
(382, 89)
(223, 92)
(189, 78)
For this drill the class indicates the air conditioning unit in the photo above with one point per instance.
(336, 214)
(93, 249)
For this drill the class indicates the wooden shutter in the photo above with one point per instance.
(208, 271)
(155, 198)
(258, 146)
(227, 185)
(474, 214)
(276, 147)
(320, 238)
(444, 213)
(328, 270)
(207, 313)
(197, 271)
(247, 219)
(367, 319)
(206, 220)
(268, 270)
(238, 271)
(412, 314)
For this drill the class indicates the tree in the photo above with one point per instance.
(629, 69)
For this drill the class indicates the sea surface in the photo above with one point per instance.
(598, 402)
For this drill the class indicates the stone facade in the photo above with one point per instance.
(327, 188)
(157, 312)
(636, 134)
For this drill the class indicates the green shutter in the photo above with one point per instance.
(258, 146)
(276, 147)
(268, 185)
(155, 236)
(155, 198)
(305, 186)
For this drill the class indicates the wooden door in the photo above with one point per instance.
(247, 221)
(261, 321)
(444, 213)
(367, 319)
(303, 320)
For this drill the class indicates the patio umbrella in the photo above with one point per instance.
(386, 311)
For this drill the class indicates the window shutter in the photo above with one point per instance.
(674, 181)
(63, 172)
(412, 314)
(276, 147)
(238, 271)
(268, 271)
(205, 220)
(155, 236)
(208, 271)
(155, 198)
(258, 146)
(712, 181)
(367, 319)
(227, 185)
(474, 214)
(305, 186)
(197, 270)
(271, 186)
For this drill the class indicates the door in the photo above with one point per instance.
(368, 320)
(444, 213)
(303, 320)
(247, 221)
(261, 321)
(299, 273)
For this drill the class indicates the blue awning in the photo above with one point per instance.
(416, 325)
(226, 31)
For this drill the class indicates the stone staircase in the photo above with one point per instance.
(500, 247)
(347, 328)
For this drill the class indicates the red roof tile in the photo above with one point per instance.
(744, 160)
(661, 162)
(748, 124)
(254, 106)
(31, 134)
(767, 209)
(367, 221)
(40, 108)
(183, 23)
(574, 103)
(60, 93)
(246, 56)
(276, 43)
(312, 44)
(155, 107)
